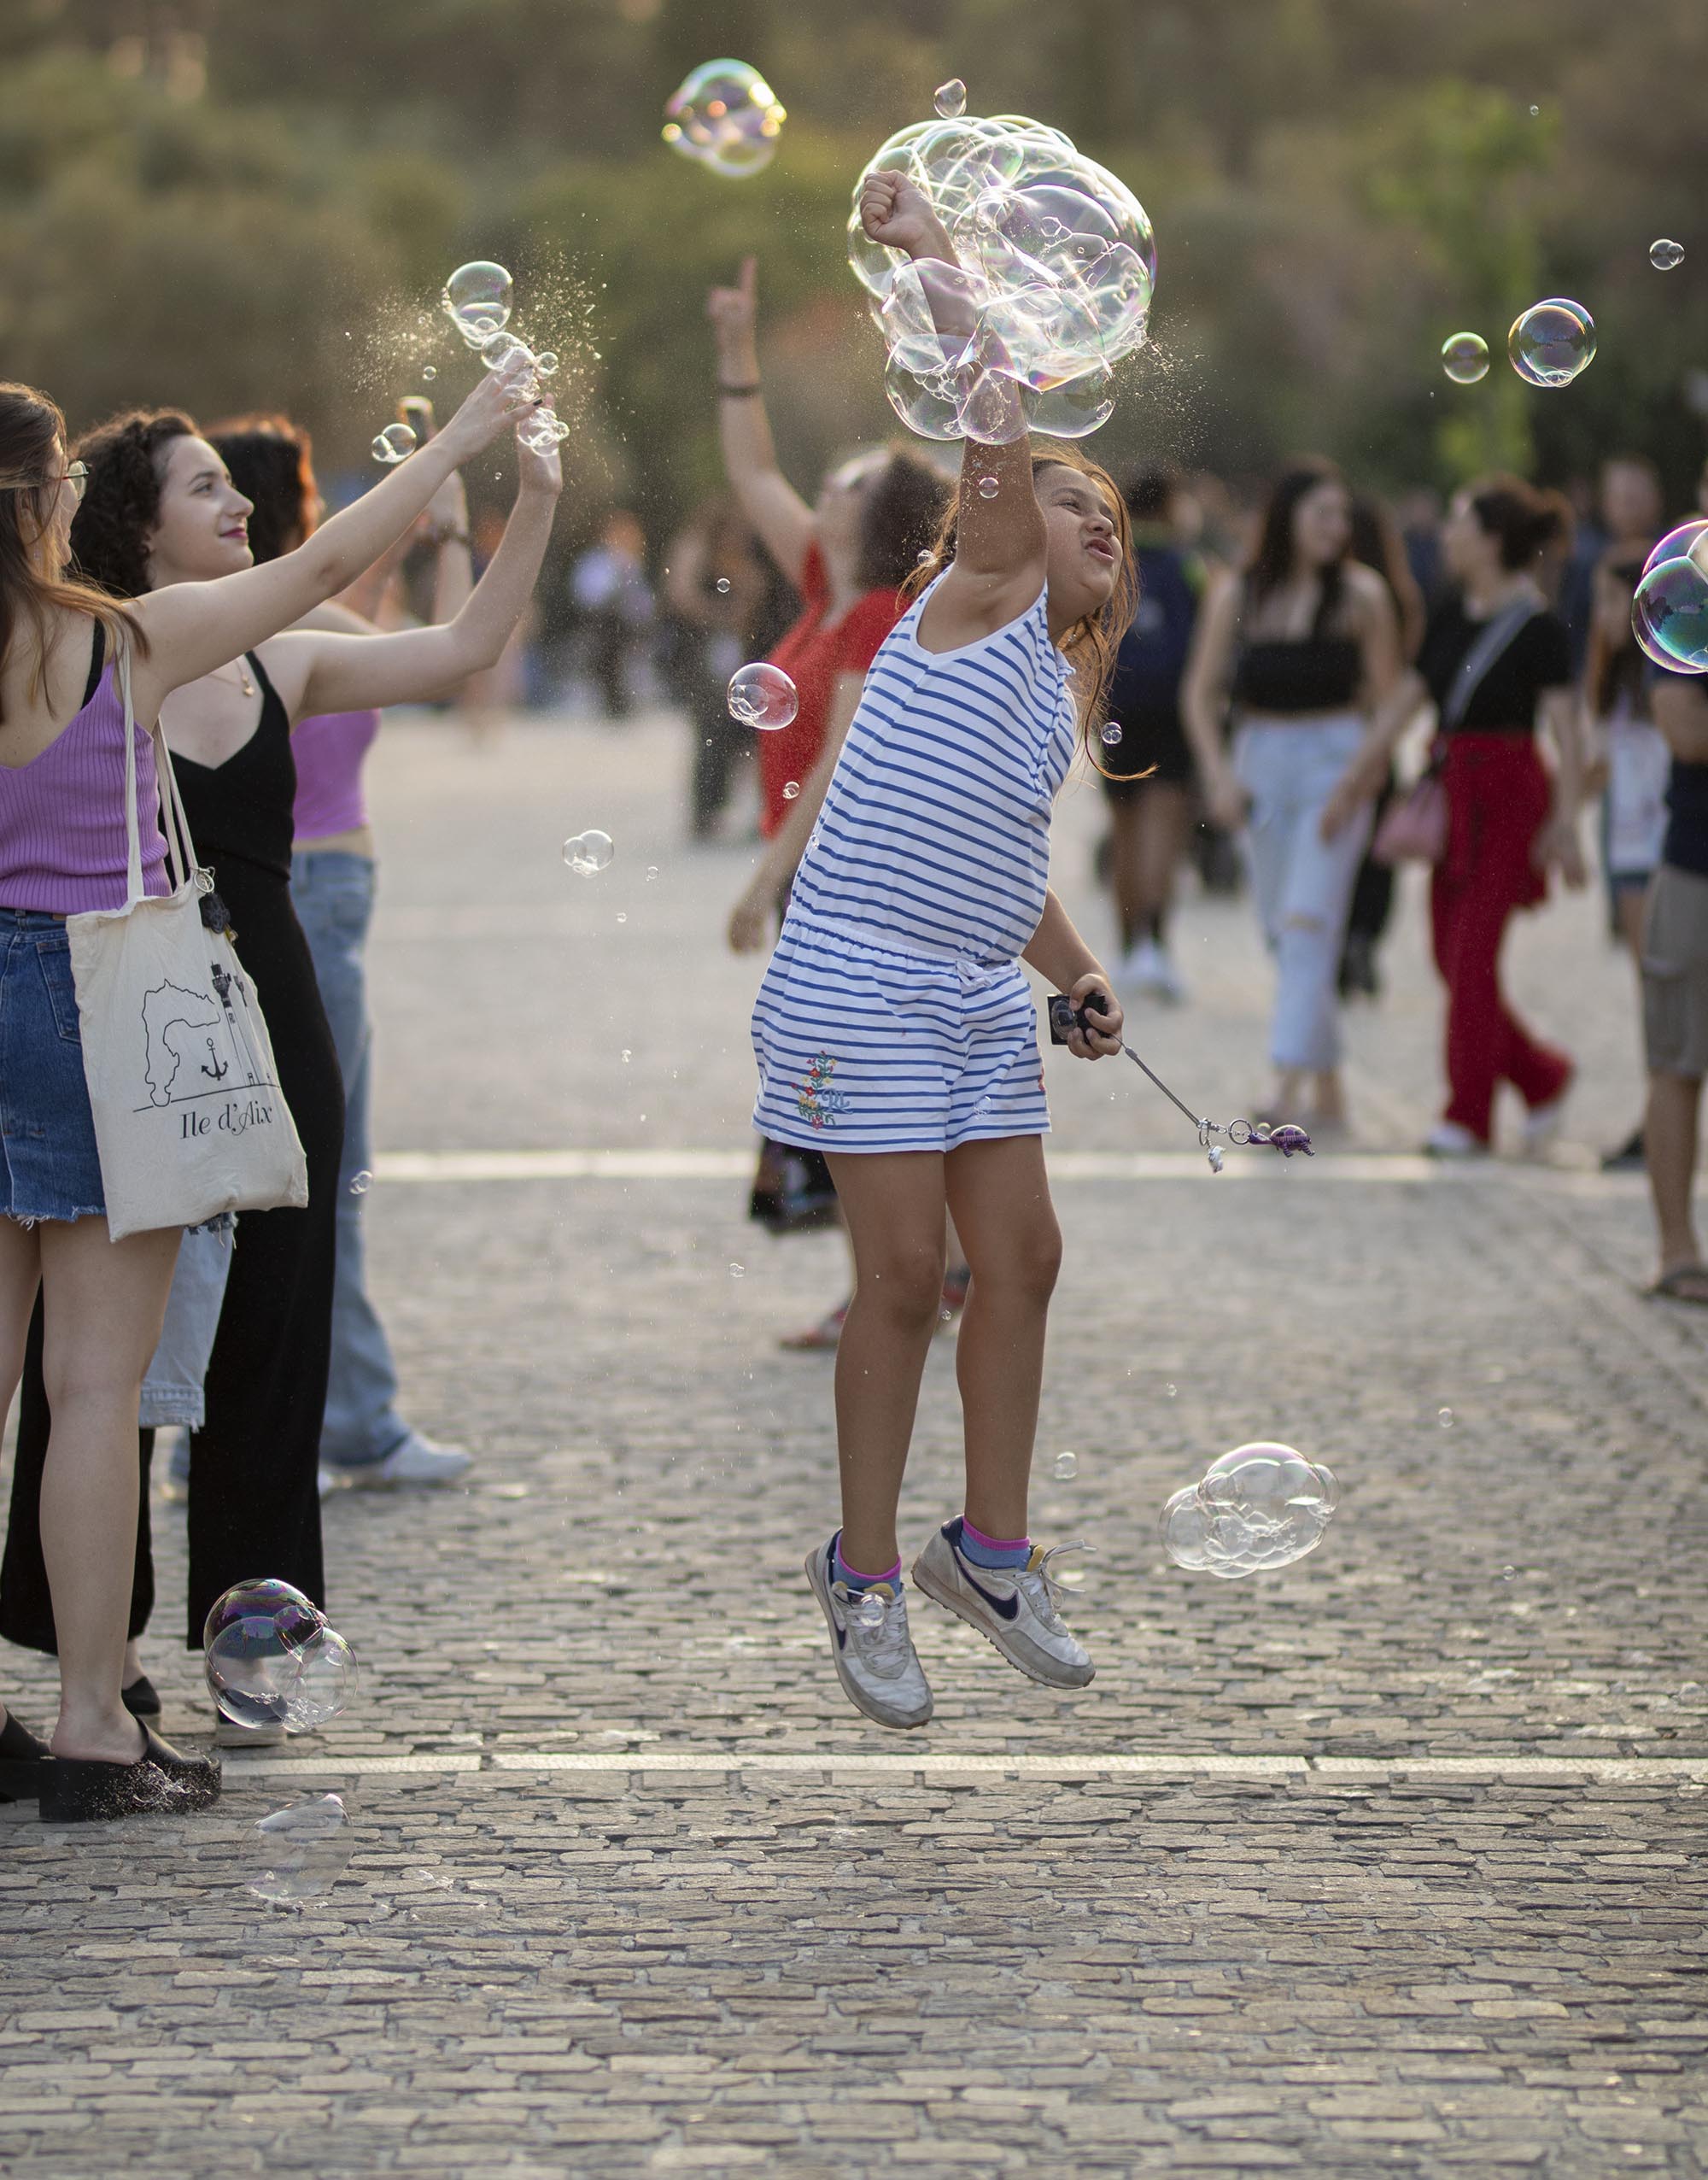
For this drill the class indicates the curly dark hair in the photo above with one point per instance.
(271, 463)
(900, 515)
(126, 461)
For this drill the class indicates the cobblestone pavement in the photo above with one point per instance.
(1391, 1862)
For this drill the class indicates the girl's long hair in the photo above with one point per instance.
(1091, 644)
(31, 427)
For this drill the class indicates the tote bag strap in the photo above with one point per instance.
(174, 825)
(1492, 641)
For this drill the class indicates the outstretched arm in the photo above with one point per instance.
(783, 519)
(319, 672)
(194, 627)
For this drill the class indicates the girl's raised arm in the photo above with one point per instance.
(321, 673)
(194, 627)
(783, 519)
(1000, 543)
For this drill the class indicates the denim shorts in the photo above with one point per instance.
(49, 1165)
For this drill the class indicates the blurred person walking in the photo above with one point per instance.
(1630, 508)
(847, 555)
(1675, 960)
(162, 516)
(63, 826)
(1306, 646)
(613, 604)
(1147, 772)
(716, 593)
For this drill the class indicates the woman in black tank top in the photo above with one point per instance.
(1302, 650)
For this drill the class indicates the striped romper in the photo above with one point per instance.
(895, 1014)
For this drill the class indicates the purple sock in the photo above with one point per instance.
(993, 1551)
(853, 1580)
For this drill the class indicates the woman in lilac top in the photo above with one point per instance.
(363, 1439)
(62, 831)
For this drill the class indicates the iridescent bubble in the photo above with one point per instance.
(951, 98)
(251, 1665)
(1552, 342)
(1681, 544)
(721, 586)
(1067, 1467)
(361, 1182)
(1444, 1417)
(1670, 614)
(325, 1682)
(988, 487)
(547, 363)
(762, 696)
(790, 789)
(394, 444)
(1665, 255)
(264, 1598)
(478, 297)
(727, 116)
(497, 349)
(587, 852)
(1465, 358)
(1109, 734)
(1263, 1505)
(925, 411)
(429, 372)
(301, 1851)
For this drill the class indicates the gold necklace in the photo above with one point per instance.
(244, 682)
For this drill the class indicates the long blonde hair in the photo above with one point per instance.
(1091, 644)
(31, 427)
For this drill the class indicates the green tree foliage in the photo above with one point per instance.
(224, 205)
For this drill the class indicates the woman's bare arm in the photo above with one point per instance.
(786, 523)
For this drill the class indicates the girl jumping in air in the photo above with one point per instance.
(895, 1030)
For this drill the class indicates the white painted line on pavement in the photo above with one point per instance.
(1300, 1767)
(643, 1165)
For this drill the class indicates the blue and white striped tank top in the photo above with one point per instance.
(935, 831)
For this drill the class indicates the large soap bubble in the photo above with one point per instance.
(1261, 1506)
(1680, 543)
(478, 298)
(727, 116)
(1669, 612)
(300, 1851)
(271, 1659)
(1552, 342)
(1056, 265)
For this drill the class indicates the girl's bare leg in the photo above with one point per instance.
(20, 1275)
(1000, 1196)
(893, 1204)
(105, 1303)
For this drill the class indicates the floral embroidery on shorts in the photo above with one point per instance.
(817, 1104)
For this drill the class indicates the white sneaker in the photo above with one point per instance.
(415, 1461)
(1147, 967)
(1448, 1140)
(1013, 1608)
(873, 1653)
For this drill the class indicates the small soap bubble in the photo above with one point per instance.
(622, 915)
(988, 487)
(652, 870)
(478, 297)
(1444, 1417)
(301, 1851)
(762, 696)
(1172, 1392)
(727, 116)
(547, 363)
(1509, 1574)
(922, 560)
(951, 99)
(587, 852)
(869, 1610)
(361, 1182)
(1534, 110)
(1552, 342)
(627, 1055)
(1067, 1467)
(721, 586)
(790, 789)
(1465, 358)
(1109, 733)
(394, 444)
(497, 349)
(1665, 255)
(737, 1271)
(429, 372)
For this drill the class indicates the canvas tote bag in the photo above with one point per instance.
(189, 1120)
(1414, 828)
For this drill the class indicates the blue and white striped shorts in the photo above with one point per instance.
(866, 1046)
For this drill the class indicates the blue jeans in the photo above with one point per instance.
(334, 897)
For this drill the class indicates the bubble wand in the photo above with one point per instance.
(1288, 1138)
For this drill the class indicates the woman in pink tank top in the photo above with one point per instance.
(363, 1437)
(61, 850)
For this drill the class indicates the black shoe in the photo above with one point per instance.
(1628, 1157)
(78, 1789)
(22, 1758)
(142, 1698)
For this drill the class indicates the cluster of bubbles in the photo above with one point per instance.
(725, 117)
(1669, 608)
(300, 1850)
(1665, 255)
(1056, 267)
(1465, 358)
(1552, 342)
(479, 299)
(588, 853)
(762, 696)
(272, 1659)
(1261, 1506)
